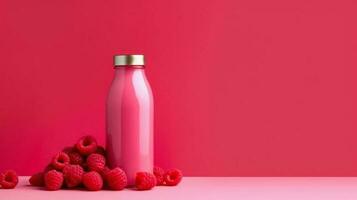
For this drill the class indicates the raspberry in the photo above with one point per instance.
(9, 179)
(92, 181)
(145, 180)
(116, 179)
(37, 179)
(96, 162)
(100, 150)
(86, 145)
(53, 180)
(60, 160)
(72, 175)
(104, 172)
(159, 174)
(75, 158)
(172, 177)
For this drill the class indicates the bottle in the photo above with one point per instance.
(129, 118)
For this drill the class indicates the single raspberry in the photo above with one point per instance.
(72, 175)
(104, 172)
(145, 180)
(8, 179)
(75, 158)
(116, 179)
(159, 174)
(92, 181)
(53, 180)
(86, 145)
(172, 177)
(100, 150)
(37, 179)
(60, 160)
(96, 162)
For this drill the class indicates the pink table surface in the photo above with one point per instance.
(208, 188)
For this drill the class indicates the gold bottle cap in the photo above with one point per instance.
(123, 60)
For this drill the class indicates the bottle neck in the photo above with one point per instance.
(129, 70)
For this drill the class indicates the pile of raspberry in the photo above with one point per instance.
(84, 165)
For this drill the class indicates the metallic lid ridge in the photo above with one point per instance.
(132, 59)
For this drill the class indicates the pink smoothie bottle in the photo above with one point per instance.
(129, 117)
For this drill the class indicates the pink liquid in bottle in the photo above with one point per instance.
(129, 118)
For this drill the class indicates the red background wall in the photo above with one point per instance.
(242, 88)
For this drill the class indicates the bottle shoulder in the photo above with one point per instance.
(130, 88)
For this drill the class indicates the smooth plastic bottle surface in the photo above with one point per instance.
(129, 122)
